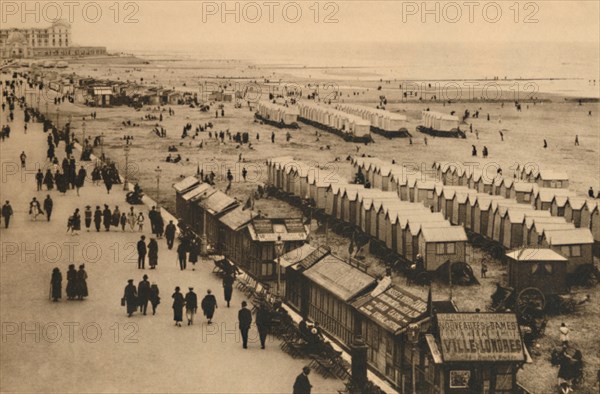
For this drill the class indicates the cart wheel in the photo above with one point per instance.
(530, 298)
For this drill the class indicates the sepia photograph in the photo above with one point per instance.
(302, 197)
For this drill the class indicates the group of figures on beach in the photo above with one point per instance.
(76, 289)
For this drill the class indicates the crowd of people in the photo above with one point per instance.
(76, 288)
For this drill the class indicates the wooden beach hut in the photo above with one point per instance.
(424, 192)
(211, 208)
(181, 188)
(534, 228)
(558, 204)
(523, 192)
(552, 179)
(189, 211)
(573, 210)
(232, 242)
(542, 199)
(574, 244)
(411, 228)
(482, 213)
(440, 245)
(460, 206)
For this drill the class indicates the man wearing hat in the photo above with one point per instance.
(191, 305)
(88, 217)
(302, 384)
(244, 320)
(130, 297)
(143, 294)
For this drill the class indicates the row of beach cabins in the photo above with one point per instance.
(537, 210)
(406, 228)
(347, 301)
(356, 122)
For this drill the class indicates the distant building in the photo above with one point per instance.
(53, 41)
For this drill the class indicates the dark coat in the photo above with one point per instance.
(154, 295)
(262, 318)
(245, 318)
(170, 231)
(98, 216)
(82, 289)
(191, 301)
(130, 296)
(228, 287)
(144, 290)
(141, 248)
(107, 217)
(153, 252)
(56, 282)
(48, 204)
(209, 303)
(76, 222)
(178, 302)
(302, 385)
(71, 283)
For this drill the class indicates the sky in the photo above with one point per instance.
(177, 25)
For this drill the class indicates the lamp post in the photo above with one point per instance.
(413, 338)
(158, 171)
(102, 144)
(127, 148)
(279, 251)
(58, 118)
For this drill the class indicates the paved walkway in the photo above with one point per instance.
(91, 345)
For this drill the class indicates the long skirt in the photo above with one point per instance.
(71, 289)
(178, 313)
(228, 291)
(209, 312)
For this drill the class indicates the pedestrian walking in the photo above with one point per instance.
(244, 321)
(130, 298)
(178, 303)
(88, 217)
(262, 324)
(39, 179)
(209, 304)
(228, 281)
(116, 217)
(154, 297)
(23, 158)
(48, 206)
(193, 251)
(302, 384)
(191, 305)
(56, 284)
(82, 289)
(80, 179)
(76, 222)
(123, 221)
(140, 221)
(143, 292)
(141, 250)
(131, 219)
(97, 218)
(181, 255)
(484, 269)
(49, 180)
(170, 231)
(564, 334)
(7, 212)
(159, 224)
(106, 217)
(152, 218)
(576, 140)
(34, 209)
(153, 253)
(71, 282)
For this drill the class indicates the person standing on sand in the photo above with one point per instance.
(545, 144)
(576, 140)
(273, 137)
(56, 284)
(591, 192)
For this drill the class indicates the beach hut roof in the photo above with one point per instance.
(428, 185)
(237, 218)
(463, 195)
(592, 205)
(186, 184)
(574, 236)
(446, 234)
(546, 194)
(508, 182)
(560, 201)
(217, 203)
(202, 190)
(306, 255)
(551, 175)
(269, 229)
(530, 221)
(393, 309)
(415, 226)
(576, 203)
(339, 277)
(401, 217)
(525, 187)
(535, 254)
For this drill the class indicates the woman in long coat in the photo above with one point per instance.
(61, 182)
(153, 253)
(178, 303)
(49, 180)
(154, 297)
(76, 221)
(116, 216)
(130, 296)
(228, 281)
(71, 282)
(106, 217)
(82, 289)
(209, 304)
(56, 283)
(193, 253)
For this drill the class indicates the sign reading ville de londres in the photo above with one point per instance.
(480, 337)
